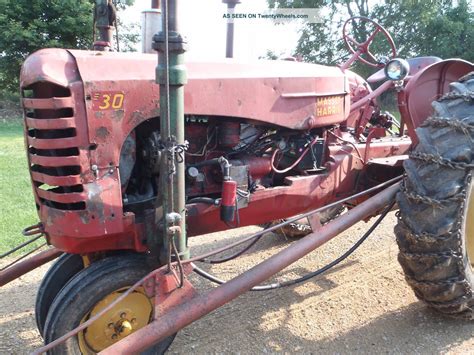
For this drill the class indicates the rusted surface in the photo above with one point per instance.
(374, 94)
(429, 85)
(110, 94)
(81, 207)
(119, 93)
(25, 266)
(168, 292)
(361, 51)
(301, 193)
(202, 304)
(256, 91)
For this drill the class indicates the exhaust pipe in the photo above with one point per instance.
(151, 23)
(229, 45)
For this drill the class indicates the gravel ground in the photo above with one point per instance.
(361, 306)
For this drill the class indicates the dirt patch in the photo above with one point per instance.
(361, 306)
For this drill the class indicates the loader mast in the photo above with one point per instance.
(171, 76)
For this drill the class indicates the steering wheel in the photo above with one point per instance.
(363, 48)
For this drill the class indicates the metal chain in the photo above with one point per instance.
(451, 281)
(437, 203)
(436, 255)
(460, 198)
(466, 96)
(175, 153)
(463, 127)
(437, 159)
(425, 237)
(456, 302)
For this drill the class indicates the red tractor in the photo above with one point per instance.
(123, 173)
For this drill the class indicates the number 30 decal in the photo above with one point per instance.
(112, 100)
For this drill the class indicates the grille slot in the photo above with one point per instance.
(56, 171)
(53, 146)
(52, 133)
(54, 152)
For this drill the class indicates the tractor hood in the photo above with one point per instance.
(285, 93)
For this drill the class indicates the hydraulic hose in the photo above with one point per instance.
(310, 275)
(291, 220)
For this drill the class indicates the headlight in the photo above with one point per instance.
(397, 69)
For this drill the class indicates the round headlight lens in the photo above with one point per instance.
(397, 69)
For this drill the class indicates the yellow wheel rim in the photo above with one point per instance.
(470, 226)
(129, 315)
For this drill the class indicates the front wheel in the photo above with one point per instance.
(90, 291)
(62, 270)
(435, 231)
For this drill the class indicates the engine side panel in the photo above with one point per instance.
(288, 94)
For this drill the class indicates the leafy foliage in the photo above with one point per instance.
(419, 27)
(28, 25)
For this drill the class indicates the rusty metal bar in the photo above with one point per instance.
(186, 313)
(29, 264)
(376, 93)
(203, 256)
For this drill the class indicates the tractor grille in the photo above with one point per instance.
(53, 146)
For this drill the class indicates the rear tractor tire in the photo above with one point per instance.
(435, 229)
(87, 293)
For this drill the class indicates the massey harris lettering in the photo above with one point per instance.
(329, 105)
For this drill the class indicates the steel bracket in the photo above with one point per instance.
(168, 294)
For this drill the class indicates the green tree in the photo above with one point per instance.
(28, 25)
(419, 27)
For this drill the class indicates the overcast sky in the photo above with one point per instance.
(202, 23)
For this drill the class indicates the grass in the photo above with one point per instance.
(17, 207)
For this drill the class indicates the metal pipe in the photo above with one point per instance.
(204, 256)
(376, 93)
(173, 22)
(229, 44)
(104, 18)
(21, 246)
(199, 306)
(155, 4)
(27, 265)
(171, 76)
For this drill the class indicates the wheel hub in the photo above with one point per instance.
(129, 315)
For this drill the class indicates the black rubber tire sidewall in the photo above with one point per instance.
(431, 228)
(87, 288)
(62, 270)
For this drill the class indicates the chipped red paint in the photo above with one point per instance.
(71, 87)
(302, 193)
(428, 85)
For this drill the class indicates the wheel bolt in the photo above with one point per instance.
(114, 336)
(134, 320)
(123, 315)
(110, 325)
